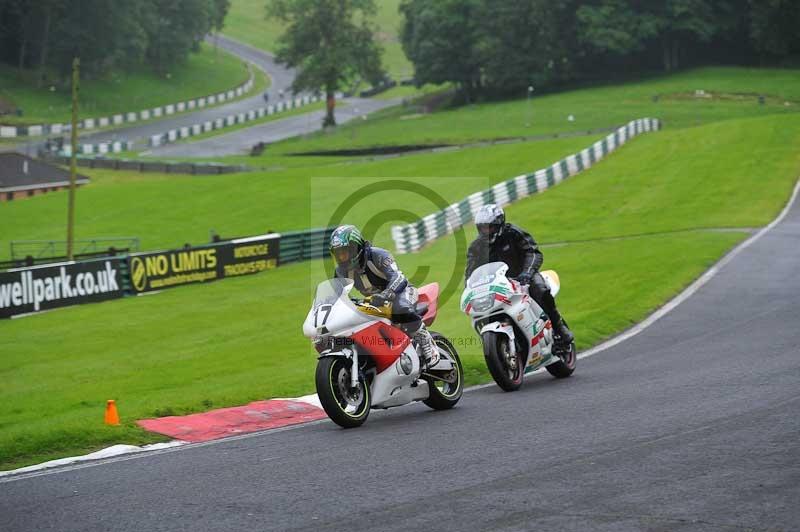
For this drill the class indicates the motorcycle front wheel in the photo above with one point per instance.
(506, 369)
(348, 407)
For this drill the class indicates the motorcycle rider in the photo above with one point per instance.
(505, 242)
(375, 273)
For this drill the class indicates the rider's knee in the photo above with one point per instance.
(538, 286)
(409, 323)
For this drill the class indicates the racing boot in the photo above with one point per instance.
(563, 335)
(428, 350)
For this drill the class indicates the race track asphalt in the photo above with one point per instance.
(691, 425)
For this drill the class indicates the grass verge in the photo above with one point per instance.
(162, 209)
(208, 72)
(589, 108)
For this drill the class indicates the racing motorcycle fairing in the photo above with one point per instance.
(503, 306)
(428, 302)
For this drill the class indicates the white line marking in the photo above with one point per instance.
(146, 451)
(694, 287)
(103, 454)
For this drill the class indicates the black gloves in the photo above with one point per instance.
(380, 299)
(524, 278)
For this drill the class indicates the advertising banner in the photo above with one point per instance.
(165, 269)
(27, 290)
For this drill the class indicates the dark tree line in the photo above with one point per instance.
(501, 46)
(44, 35)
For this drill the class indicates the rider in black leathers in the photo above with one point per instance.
(505, 242)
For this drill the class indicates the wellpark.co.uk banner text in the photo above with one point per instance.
(27, 290)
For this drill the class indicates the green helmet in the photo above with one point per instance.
(347, 247)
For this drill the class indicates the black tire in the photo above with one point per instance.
(495, 349)
(449, 394)
(345, 408)
(565, 367)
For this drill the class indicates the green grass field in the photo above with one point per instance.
(631, 232)
(246, 21)
(735, 90)
(206, 72)
(246, 203)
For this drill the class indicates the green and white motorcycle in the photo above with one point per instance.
(517, 335)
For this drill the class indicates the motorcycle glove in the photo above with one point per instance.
(382, 298)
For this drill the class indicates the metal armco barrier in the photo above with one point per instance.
(305, 245)
(155, 166)
(39, 288)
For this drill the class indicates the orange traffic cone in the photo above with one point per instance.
(112, 417)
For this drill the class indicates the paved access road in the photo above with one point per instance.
(691, 425)
(240, 141)
(281, 81)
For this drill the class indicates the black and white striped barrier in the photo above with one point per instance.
(102, 148)
(411, 237)
(231, 120)
(129, 117)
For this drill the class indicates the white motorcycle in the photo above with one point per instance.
(366, 362)
(517, 335)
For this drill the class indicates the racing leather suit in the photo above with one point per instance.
(379, 273)
(519, 250)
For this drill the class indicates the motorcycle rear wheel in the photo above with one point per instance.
(347, 407)
(566, 366)
(507, 370)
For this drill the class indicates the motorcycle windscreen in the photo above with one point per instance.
(486, 274)
(329, 291)
(326, 297)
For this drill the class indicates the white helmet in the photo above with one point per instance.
(490, 220)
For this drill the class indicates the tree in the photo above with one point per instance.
(617, 26)
(103, 38)
(175, 28)
(46, 35)
(17, 27)
(526, 43)
(624, 27)
(683, 22)
(330, 42)
(443, 39)
(774, 27)
(220, 11)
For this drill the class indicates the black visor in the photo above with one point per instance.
(488, 229)
(342, 255)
